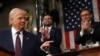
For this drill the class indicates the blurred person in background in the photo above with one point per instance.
(50, 35)
(87, 33)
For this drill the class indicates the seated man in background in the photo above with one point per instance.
(87, 34)
(49, 33)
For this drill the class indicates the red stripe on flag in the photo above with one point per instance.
(76, 46)
(98, 3)
(67, 39)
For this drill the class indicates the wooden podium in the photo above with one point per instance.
(72, 52)
(95, 51)
(5, 52)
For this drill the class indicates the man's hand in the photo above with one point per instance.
(44, 33)
(42, 30)
(85, 26)
(46, 45)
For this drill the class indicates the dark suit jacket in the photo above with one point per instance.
(30, 42)
(88, 36)
(56, 36)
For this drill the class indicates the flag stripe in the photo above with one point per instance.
(71, 36)
(98, 2)
(95, 10)
(76, 46)
(67, 40)
(70, 39)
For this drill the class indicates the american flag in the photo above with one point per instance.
(71, 15)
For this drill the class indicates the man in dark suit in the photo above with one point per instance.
(28, 41)
(86, 34)
(49, 33)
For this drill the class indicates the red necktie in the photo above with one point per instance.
(18, 45)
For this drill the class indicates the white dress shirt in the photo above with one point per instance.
(49, 28)
(14, 35)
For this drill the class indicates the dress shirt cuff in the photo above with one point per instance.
(92, 30)
(81, 33)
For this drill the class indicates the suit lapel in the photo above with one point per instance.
(25, 39)
(9, 40)
(52, 31)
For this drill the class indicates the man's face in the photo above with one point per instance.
(18, 20)
(47, 20)
(86, 16)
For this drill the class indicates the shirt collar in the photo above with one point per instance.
(49, 27)
(14, 31)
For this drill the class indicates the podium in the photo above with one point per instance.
(95, 51)
(5, 52)
(71, 52)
